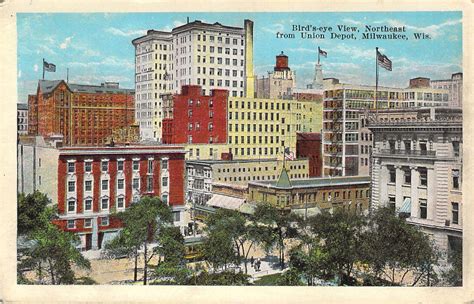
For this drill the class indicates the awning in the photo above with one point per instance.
(204, 208)
(406, 207)
(311, 211)
(109, 236)
(226, 202)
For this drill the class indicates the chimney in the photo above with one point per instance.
(249, 76)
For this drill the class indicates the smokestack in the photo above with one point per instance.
(249, 76)
(187, 20)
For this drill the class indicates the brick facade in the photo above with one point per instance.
(309, 145)
(108, 158)
(191, 117)
(82, 114)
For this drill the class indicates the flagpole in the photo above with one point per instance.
(43, 68)
(376, 79)
(67, 75)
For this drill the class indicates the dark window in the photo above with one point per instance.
(423, 209)
(407, 175)
(423, 177)
(393, 174)
(455, 179)
(455, 211)
(456, 148)
(391, 203)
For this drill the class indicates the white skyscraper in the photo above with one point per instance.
(210, 55)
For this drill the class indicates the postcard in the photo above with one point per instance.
(236, 152)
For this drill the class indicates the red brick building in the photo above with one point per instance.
(95, 182)
(81, 114)
(191, 117)
(309, 145)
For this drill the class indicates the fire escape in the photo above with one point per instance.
(335, 148)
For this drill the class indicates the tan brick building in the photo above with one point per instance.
(80, 114)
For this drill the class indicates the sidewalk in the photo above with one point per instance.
(269, 265)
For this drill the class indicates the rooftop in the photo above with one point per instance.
(22, 106)
(234, 161)
(316, 182)
(47, 86)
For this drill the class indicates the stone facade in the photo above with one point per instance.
(417, 169)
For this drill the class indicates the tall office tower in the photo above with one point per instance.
(213, 56)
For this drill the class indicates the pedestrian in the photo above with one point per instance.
(251, 260)
(257, 265)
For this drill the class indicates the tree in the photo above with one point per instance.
(172, 269)
(142, 222)
(338, 242)
(393, 248)
(244, 234)
(275, 227)
(45, 249)
(53, 255)
(453, 276)
(219, 250)
(29, 212)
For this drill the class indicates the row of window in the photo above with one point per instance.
(103, 221)
(261, 116)
(104, 165)
(105, 184)
(264, 105)
(220, 39)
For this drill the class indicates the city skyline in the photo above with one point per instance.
(87, 48)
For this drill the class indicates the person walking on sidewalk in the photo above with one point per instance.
(252, 260)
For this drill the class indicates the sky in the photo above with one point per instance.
(97, 47)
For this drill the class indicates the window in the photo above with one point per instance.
(164, 181)
(71, 224)
(423, 209)
(423, 148)
(391, 145)
(136, 165)
(455, 179)
(164, 198)
(407, 175)
(120, 202)
(456, 148)
(70, 167)
(393, 174)
(104, 221)
(149, 186)
(120, 183)
(88, 223)
(120, 165)
(88, 166)
(104, 204)
(455, 212)
(164, 164)
(136, 183)
(88, 204)
(105, 165)
(391, 203)
(150, 166)
(176, 216)
(105, 184)
(88, 185)
(423, 176)
(71, 206)
(71, 186)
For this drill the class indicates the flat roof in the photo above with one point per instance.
(223, 161)
(316, 182)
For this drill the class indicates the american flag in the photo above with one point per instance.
(322, 53)
(288, 154)
(383, 61)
